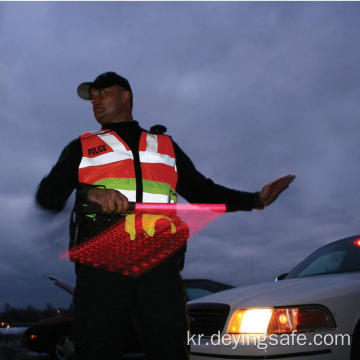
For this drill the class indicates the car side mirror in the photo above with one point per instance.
(281, 277)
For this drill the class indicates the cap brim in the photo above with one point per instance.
(83, 90)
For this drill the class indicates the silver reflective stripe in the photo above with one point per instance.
(151, 143)
(104, 159)
(156, 158)
(113, 142)
(130, 194)
(155, 198)
(147, 197)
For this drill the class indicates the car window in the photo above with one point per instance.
(338, 257)
(328, 263)
(195, 293)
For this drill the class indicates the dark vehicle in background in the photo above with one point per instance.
(53, 335)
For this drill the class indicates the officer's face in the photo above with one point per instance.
(110, 104)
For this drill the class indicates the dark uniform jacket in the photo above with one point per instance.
(55, 189)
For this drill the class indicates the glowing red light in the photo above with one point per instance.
(357, 242)
(145, 238)
(181, 207)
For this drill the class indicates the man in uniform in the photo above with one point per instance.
(118, 164)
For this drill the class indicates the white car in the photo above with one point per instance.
(310, 313)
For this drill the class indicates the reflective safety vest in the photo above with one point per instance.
(108, 161)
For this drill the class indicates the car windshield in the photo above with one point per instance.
(338, 257)
(195, 293)
(197, 288)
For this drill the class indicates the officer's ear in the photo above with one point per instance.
(126, 96)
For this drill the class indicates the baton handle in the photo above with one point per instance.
(89, 208)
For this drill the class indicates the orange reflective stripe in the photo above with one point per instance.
(120, 169)
(159, 172)
(142, 142)
(93, 145)
(165, 146)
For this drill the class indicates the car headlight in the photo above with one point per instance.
(280, 320)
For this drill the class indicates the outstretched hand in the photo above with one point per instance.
(271, 191)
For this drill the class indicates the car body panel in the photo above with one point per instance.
(326, 290)
(339, 293)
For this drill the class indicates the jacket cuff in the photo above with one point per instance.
(257, 203)
(82, 191)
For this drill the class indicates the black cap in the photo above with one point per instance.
(103, 81)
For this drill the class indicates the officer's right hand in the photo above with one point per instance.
(111, 201)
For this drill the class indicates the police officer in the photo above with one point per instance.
(106, 302)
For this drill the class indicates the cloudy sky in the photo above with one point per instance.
(250, 91)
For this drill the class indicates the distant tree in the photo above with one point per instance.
(49, 307)
(49, 310)
(7, 307)
(26, 315)
(9, 313)
(31, 313)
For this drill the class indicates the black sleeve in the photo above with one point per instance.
(56, 188)
(196, 188)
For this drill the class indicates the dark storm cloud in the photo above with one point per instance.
(251, 91)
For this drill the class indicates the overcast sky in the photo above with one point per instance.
(250, 91)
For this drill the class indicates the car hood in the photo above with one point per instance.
(49, 323)
(56, 319)
(309, 290)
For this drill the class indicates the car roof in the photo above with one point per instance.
(66, 285)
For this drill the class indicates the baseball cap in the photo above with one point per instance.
(103, 81)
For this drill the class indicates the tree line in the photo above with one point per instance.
(29, 314)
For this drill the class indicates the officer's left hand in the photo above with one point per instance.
(271, 191)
